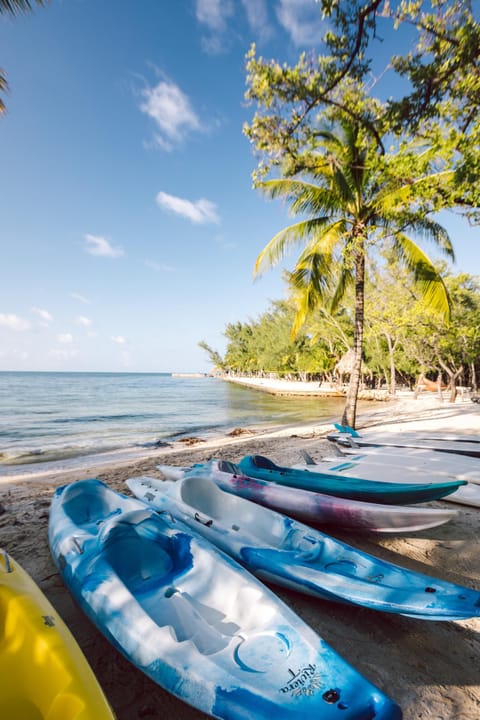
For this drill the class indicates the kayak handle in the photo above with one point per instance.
(8, 567)
(204, 521)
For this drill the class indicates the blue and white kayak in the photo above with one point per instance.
(355, 488)
(283, 551)
(312, 507)
(194, 620)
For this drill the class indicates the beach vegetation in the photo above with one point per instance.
(360, 169)
(405, 342)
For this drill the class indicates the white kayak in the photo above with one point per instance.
(459, 445)
(451, 466)
(382, 470)
(313, 507)
(281, 550)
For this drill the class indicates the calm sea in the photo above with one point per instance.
(51, 416)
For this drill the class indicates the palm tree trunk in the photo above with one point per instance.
(350, 410)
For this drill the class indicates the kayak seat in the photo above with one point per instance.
(151, 564)
(263, 462)
(86, 507)
(143, 554)
(236, 513)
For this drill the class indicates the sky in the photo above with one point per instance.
(129, 226)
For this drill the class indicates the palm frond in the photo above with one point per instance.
(289, 236)
(304, 197)
(14, 6)
(430, 230)
(427, 279)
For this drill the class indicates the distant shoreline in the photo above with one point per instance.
(300, 388)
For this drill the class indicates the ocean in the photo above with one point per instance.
(50, 416)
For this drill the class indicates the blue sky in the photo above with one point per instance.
(129, 226)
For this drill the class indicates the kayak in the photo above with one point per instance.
(283, 551)
(444, 465)
(312, 507)
(458, 445)
(193, 619)
(355, 488)
(378, 470)
(45, 675)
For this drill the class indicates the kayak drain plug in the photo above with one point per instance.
(331, 696)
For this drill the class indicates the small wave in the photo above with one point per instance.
(106, 418)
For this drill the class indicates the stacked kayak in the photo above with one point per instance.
(45, 675)
(445, 443)
(384, 469)
(193, 619)
(280, 550)
(443, 465)
(312, 507)
(355, 488)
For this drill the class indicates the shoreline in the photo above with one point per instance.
(429, 668)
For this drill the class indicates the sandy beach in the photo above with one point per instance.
(431, 669)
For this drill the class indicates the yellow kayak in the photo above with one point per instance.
(44, 674)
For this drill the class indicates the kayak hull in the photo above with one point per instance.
(282, 550)
(44, 672)
(316, 508)
(194, 620)
(355, 488)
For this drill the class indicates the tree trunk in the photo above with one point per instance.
(350, 410)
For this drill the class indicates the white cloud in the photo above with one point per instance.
(100, 246)
(199, 212)
(44, 315)
(159, 267)
(302, 20)
(257, 17)
(77, 296)
(214, 13)
(65, 338)
(82, 320)
(118, 339)
(172, 112)
(13, 322)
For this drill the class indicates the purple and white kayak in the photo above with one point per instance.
(313, 507)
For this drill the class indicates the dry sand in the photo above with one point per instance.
(431, 669)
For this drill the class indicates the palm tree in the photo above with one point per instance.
(12, 7)
(355, 201)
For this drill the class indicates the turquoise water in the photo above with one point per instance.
(52, 416)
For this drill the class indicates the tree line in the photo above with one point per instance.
(405, 340)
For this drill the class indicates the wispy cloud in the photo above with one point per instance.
(81, 298)
(159, 267)
(214, 16)
(118, 339)
(302, 20)
(199, 212)
(172, 113)
(100, 246)
(65, 338)
(257, 17)
(214, 13)
(44, 315)
(217, 18)
(13, 322)
(82, 320)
